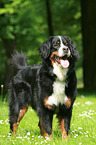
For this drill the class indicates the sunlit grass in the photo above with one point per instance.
(79, 74)
(82, 132)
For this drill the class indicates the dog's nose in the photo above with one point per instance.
(65, 49)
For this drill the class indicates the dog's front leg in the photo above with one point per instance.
(45, 124)
(64, 121)
(62, 127)
(44, 133)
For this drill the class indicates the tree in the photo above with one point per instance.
(88, 9)
(21, 29)
(49, 17)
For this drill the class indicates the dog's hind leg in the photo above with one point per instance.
(16, 119)
(13, 116)
(19, 96)
(21, 115)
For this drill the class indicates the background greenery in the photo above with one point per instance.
(24, 26)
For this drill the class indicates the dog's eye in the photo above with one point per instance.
(65, 43)
(58, 42)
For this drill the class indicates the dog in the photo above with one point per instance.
(50, 88)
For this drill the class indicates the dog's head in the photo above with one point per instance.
(59, 49)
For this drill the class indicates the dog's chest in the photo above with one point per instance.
(58, 96)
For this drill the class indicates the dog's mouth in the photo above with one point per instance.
(63, 61)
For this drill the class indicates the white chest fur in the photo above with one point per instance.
(58, 96)
(60, 72)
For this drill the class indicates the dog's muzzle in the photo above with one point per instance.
(63, 61)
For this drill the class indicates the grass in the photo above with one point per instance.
(83, 128)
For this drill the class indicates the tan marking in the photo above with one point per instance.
(47, 105)
(62, 127)
(68, 102)
(52, 60)
(21, 115)
(15, 125)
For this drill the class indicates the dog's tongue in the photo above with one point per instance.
(64, 63)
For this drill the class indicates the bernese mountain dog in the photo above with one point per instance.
(50, 88)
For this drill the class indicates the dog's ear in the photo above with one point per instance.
(45, 48)
(73, 48)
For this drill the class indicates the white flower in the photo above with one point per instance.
(19, 137)
(25, 137)
(80, 128)
(6, 120)
(73, 131)
(3, 135)
(47, 138)
(76, 134)
(80, 132)
(1, 122)
(77, 104)
(42, 142)
(89, 103)
(45, 141)
(28, 133)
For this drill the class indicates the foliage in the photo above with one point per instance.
(25, 22)
(83, 129)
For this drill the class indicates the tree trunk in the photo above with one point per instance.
(88, 9)
(49, 17)
(10, 47)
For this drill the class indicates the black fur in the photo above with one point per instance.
(73, 48)
(32, 84)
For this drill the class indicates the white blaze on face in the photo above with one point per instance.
(61, 49)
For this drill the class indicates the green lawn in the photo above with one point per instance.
(83, 126)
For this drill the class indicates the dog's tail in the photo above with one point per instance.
(18, 61)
